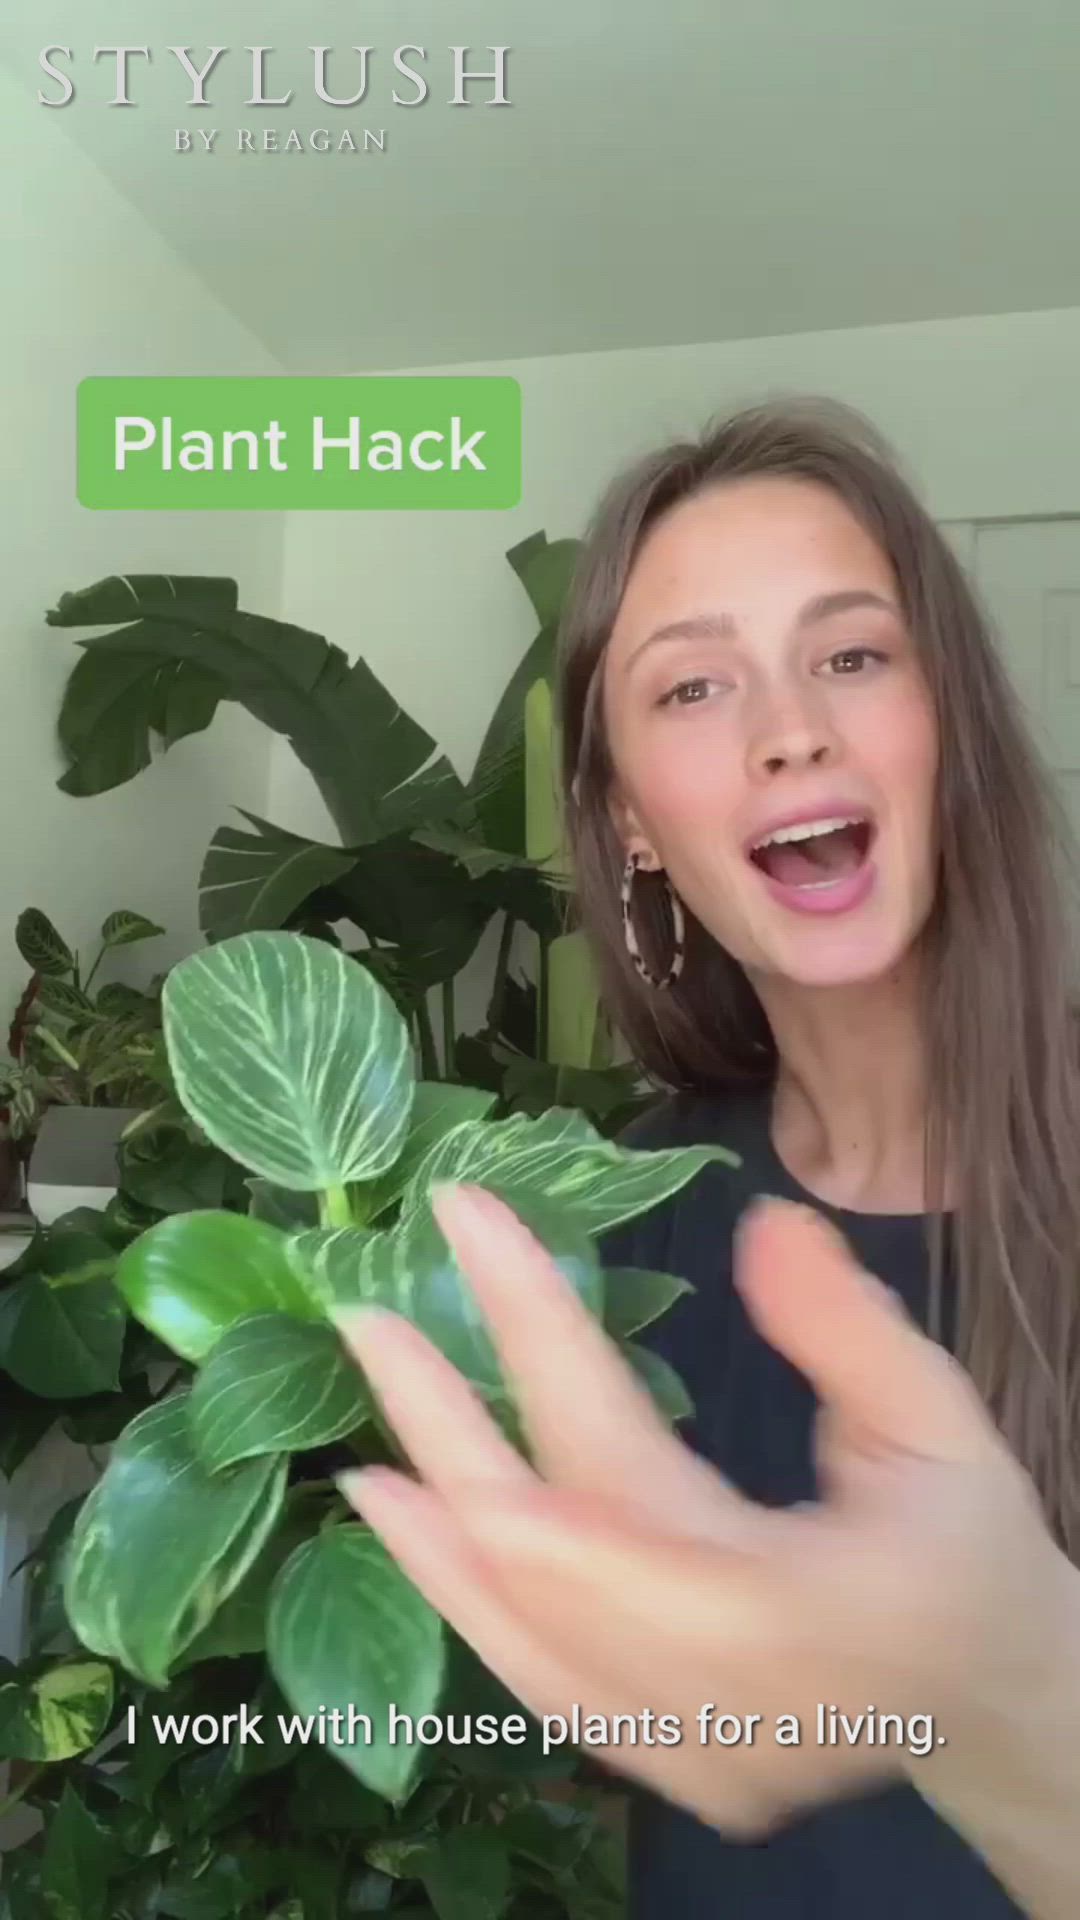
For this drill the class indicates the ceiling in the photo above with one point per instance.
(668, 171)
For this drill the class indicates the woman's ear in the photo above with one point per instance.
(632, 837)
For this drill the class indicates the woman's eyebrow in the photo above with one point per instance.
(722, 626)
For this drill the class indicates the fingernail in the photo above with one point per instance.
(358, 1485)
(350, 1314)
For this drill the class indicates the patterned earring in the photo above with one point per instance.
(633, 948)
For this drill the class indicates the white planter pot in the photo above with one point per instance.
(74, 1162)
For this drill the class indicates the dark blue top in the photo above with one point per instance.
(885, 1856)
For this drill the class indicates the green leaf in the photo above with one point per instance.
(40, 945)
(466, 1872)
(123, 596)
(437, 1106)
(411, 1270)
(162, 1169)
(60, 1712)
(634, 1297)
(497, 787)
(280, 1207)
(189, 700)
(275, 1385)
(46, 1622)
(120, 1001)
(124, 928)
(346, 1628)
(104, 721)
(192, 1277)
(331, 1261)
(291, 1059)
(56, 995)
(545, 568)
(561, 1160)
(25, 1419)
(661, 1379)
(471, 1689)
(250, 881)
(159, 1543)
(239, 1625)
(62, 1341)
(76, 1861)
(543, 827)
(377, 770)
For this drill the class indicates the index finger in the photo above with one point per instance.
(591, 1423)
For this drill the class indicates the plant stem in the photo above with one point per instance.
(542, 992)
(449, 1029)
(429, 1059)
(335, 1208)
(502, 971)
(94, 968)
(20, 1793)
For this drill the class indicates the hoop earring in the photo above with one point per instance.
(633, 948)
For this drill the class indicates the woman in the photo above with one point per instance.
(818, 867)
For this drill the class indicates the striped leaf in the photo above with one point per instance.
(330, 1260)
(160, 1543)
(562, 1161)
(347, 1629)
(437, 1106)
(291, 1058)
(124, 928)
(195, 1275)
(41, 946)
(274, 1385)
(412, 1271)
(58, 1713)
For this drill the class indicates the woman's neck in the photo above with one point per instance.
(849, 1113)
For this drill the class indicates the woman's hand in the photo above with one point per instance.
(620, 1573)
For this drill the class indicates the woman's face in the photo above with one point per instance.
(772, 732)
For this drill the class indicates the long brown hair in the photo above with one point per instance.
(1000, 1025)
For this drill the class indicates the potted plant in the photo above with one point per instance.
(215, 1571)
(425, 859)
(81, 1062)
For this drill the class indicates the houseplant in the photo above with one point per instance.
(208, 1571)
(425, 860)
(69, 1046)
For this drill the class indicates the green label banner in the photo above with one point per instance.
(288, 442)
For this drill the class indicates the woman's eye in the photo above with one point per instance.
(687, 693)
(853, 659)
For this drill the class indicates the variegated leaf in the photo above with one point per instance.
(411, 1270)
(58, 1713)
(275, 1385)
(347, 1629)
(159, 1543)
(560, 1161)
(193, 1276)
(291, 1058)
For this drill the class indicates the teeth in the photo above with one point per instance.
(807, 830)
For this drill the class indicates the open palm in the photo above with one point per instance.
(619, 1573)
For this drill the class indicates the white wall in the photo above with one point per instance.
(985, 411)
(90, 288)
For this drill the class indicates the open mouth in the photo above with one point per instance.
(815, 854)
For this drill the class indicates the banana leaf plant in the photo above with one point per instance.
(214, 1567)
(425, 860)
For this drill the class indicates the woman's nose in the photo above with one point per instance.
(792, 737)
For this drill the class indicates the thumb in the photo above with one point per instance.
(843, 1329)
